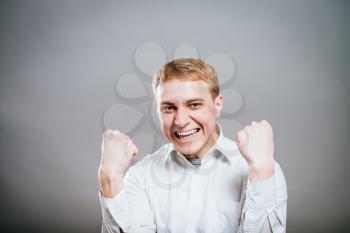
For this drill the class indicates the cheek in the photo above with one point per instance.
(166, 121)
(205, 116)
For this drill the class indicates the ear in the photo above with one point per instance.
(219, 105)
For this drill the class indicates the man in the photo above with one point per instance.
(201, 181)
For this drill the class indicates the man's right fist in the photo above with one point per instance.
(117, 153)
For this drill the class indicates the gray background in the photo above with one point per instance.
(58, 65)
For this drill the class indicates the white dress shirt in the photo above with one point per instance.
(165, 193)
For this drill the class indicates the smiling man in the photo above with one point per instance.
(200, 181)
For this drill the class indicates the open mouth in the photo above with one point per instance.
(185, 134)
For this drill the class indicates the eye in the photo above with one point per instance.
(167, 109)
(195, 105)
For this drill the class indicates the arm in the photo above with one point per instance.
(117, 153)
(118, 207)
(265, 200)
(129, 210)
(265, 205)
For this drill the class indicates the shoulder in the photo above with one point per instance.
(157, 156)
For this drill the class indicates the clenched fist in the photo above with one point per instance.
(117, 153)
(255, 142)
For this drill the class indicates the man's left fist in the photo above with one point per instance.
(255, 142)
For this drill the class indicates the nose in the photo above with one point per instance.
(181, 118)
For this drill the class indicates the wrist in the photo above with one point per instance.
(260, 173)
(111, 183)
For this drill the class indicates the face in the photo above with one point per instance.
(188, 115)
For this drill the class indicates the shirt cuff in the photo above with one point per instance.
(262, 193)
(117, 208)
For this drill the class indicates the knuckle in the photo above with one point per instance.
(124, 138)
(121, 138)
(267, 124)
(107, 132)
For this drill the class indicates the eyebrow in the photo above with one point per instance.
(167, 103)
(187, 101)
(195, 100)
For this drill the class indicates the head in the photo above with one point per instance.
(188, 103)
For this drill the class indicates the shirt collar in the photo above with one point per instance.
(223, 145)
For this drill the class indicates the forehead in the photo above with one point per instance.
(176, 90)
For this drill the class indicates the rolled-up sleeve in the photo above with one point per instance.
(265, 205)
(129, 210)
(115, 213)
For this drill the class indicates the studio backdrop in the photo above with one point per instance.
(71, 69)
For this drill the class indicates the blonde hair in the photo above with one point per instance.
(187, 69)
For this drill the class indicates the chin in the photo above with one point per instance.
(189, 152)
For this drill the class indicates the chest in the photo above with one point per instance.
(196, 201)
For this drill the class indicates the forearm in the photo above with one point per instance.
(115, 214)
(265, 205)
(117, 210)
(257, 174)
(111, 185)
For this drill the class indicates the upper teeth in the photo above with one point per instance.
(186, 133)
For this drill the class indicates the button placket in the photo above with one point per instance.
(195, 199)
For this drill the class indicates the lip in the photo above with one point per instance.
(182, 135)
